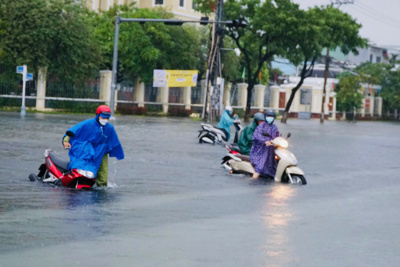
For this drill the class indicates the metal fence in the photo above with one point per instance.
(56, 87)
(10, 81)
(126, 91)
(196, 96)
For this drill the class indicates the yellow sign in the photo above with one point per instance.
(175, 78)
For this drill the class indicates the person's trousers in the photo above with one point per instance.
(102, 173)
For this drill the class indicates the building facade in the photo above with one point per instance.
(182, 9)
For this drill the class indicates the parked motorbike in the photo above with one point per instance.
(55, 171)
(212, 135)
(286, 171)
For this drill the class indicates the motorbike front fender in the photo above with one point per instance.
(294, 170)
(289, 170)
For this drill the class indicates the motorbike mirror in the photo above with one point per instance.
(289, 135)
(266, 134)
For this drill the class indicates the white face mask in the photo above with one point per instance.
(103, 121)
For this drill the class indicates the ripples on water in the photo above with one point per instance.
(169, 203)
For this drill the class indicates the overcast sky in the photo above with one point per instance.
(380, 19)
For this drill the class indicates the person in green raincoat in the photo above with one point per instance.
(246, 137)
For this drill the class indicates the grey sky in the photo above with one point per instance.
(379, 18)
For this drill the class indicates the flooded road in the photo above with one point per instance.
(169, 203)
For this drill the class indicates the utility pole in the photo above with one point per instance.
(327, 60)
(213, 91)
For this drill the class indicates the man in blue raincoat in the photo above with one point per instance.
(90, 142)
(226, 121)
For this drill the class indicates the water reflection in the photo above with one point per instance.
(68, 198)
(278, 219)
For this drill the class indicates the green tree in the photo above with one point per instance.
(281, 28)
(271, 30)
(50, 33)
(144, 47)
(321, 27)
(387, 77)
(373, 73)
(348, 95)
(391, 91)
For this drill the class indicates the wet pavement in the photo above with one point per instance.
(169, 203)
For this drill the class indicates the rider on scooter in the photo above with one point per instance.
(262, 155)
(90, 142)
(226, 121)
(246, 137)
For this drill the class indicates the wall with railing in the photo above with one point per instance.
(45, 92)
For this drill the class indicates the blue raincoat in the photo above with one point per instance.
(262, 157)
(225, 123)
(90, 141)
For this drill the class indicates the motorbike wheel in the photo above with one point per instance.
(207, 138)
(298, 179)
(32, 177)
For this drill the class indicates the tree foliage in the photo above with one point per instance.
(391, 91)
(144, 47)
(281, 28)
(322, 27)
(373, 73)
(271, 30)
(57, 34)
(388, 78)
(349, 96)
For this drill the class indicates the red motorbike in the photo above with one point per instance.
(55, 171)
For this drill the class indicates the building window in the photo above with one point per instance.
(371, 58)
(378, 59)
(181, 3)
(193, 4)
(159, 2)
(305, 96)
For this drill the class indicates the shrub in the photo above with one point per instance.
(128, 109)
(73, 106)
(179, 112)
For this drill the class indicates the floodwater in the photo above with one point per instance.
(169, 203)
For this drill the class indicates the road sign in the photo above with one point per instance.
(20, 69)
(29, 76)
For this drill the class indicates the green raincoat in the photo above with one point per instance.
(246, 138)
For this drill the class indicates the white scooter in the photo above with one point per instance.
(286, 171)
(212, 135)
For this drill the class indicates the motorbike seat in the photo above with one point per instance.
(235, 147)
(61, 164)
(243, 157)
(224, 134)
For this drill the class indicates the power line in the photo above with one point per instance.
(378, 13)
(374, 16)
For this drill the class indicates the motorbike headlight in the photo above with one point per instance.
(284, 144)
(87, 174)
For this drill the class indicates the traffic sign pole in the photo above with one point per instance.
(23, 71)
